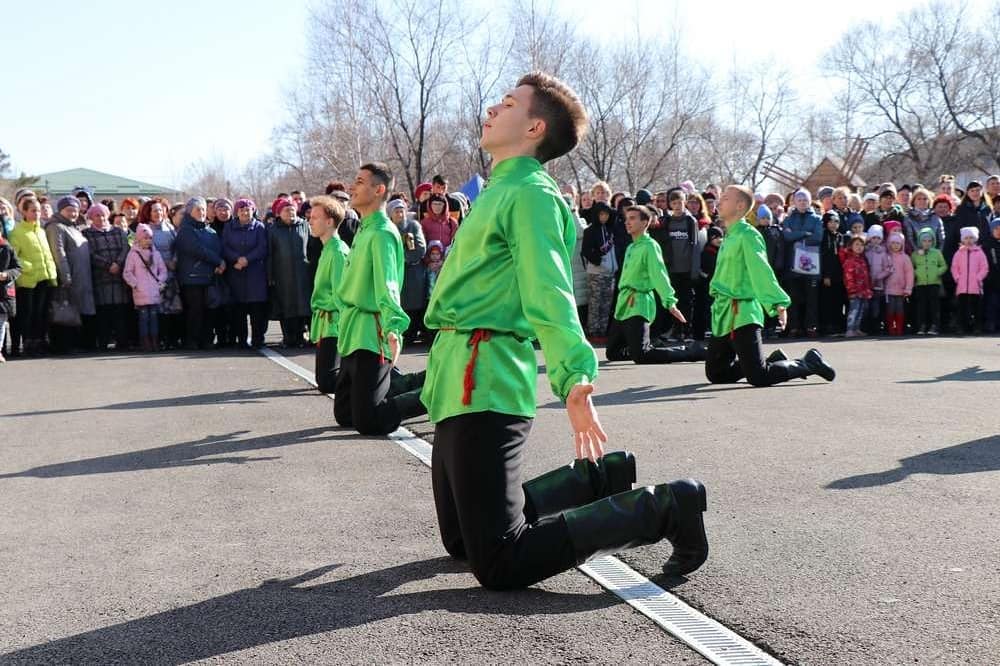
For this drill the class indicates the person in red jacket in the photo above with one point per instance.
(857, 283)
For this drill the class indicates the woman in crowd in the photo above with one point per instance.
(288, 273)
(71, 252)
(920, 216)
(244, 247)
(6, 218)
(112, 297)
(38, 274)
(130, 209)
(437, 224)
(198, 251)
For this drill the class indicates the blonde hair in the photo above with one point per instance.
(746, 194)
(922, 192)
(846, 191)
(600, 185)
(854, 201)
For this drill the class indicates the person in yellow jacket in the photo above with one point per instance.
(38, 273)
(643, 274)
(508, 282)
(744, 289)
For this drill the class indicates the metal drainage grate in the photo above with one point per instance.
(714, 641)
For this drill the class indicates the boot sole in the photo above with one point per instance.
(682, 568)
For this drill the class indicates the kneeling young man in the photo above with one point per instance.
(371, 319)
(745, 289)
(508, 281)
(325, 217)
(644, 273)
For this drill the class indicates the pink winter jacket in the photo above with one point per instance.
(969, 268)
(899, 282)
(145, 283)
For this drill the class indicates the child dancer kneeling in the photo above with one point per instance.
(744, 289)
(643, 273)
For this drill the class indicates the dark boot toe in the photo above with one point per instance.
(687, 534)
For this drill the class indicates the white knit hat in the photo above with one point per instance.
(969, 232)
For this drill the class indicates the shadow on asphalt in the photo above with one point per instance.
(980, 455)
(184, 454)
(236, 397)
(971, 374)
(279, 610)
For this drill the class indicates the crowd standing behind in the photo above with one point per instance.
(143, 274)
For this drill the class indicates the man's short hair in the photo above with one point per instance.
(644, 213)
(331, 207)
(335, 186)
(746, 196)
(380, 172)
(439, 180)
(565, 118)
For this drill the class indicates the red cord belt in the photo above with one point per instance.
(469, 380)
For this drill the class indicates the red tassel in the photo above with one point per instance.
(469, 382)
(631, 300)
(736, 311)
(378, 332)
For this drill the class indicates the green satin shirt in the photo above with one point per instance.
(369, 290)
(325, 305)
(643, 273)
(744, 286)
(508, 272)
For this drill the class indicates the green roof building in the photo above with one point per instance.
(101, 185)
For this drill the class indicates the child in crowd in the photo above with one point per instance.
(857, 283)
(898, 285)
(969, 268)
(600, 256)
(767, 225)
(146, 273)
(434, 262)
(10, 270)
(928, 267)
(991, 287)
(831, 293)
(878, 269)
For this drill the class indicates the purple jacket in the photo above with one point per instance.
(145, 283)
(878, 265)
(250, 284)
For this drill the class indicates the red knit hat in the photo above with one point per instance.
(421, 188)
(946, 199)
(279, 204)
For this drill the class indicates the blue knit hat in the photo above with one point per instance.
(994, 223)
(764, 213)
(67, 201)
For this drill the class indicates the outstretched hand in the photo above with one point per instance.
(678, 315)
(588, 435)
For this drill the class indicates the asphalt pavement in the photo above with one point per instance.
(171, 508)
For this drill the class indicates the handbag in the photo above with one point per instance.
(170, 297)
(806, 260)
(218, 293)
(62, 312)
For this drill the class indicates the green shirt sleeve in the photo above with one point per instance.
(387, 268)
(658, 276)
(765, 285)
(540, 234)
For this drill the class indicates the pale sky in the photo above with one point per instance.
(142, 89)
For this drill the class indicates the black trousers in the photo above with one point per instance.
(803, 313)
(732, 358)
(64, 339)
(112, 322)
(833, 300)
(361, 401)
(257, 313)
(629, 340)
(32, 317)
(197, 316)
(928, 306)
(969, 306)
(327, 365)
(476, 473)
(701, 317)
(291, 331)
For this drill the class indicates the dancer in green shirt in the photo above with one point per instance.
(643, 274)
(325, 217)
(371, 320)
(744, 289)
(508, 282)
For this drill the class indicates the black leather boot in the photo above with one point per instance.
(408, 405)
(574, 485)
(644, 516)
(777, 355)
(404, 383)
(814, 362)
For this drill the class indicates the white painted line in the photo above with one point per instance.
(711, 639)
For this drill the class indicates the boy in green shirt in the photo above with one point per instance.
(325, 217)
(508, 281)
(744, 290)
(371, 320)
(643, 273)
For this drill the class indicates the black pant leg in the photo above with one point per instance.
(371, 411)
(445, 507)
(617, 346)
(120, 322)
(721, 365)
(327, 365)
(238, 313)
(750, 350)
(258, 322)
(194, 314)
(793, 286)
(343, 414)
(484, 481)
